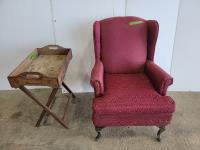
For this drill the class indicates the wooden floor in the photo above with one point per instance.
(18, 115)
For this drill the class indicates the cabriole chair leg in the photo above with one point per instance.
(98, 129)
(161, 130)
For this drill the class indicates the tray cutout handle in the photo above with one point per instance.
(32, 75)
(53, 47)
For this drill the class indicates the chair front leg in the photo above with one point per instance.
(98, 130)
(161, 130)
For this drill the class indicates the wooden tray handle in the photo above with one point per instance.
(53, 47)
(31, 75)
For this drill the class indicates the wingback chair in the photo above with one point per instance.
(130, 89)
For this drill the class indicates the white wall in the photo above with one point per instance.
(186, 56)
(27, 24)
(165, 12)
(24, 25)
(76, 31)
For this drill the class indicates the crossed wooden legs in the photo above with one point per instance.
(49, 104)
(50, 101)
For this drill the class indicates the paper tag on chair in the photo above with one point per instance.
(132, 23)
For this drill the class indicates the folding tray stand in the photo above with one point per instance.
(45, 66)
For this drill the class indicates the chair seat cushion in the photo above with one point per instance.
(131, 94)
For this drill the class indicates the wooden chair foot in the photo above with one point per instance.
(98, 129)
(98, 136)
(161, 130)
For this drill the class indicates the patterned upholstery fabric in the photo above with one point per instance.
(156, 119)
(97, 78)
(159, 77)
(129, 87)
(132, 93)
(134, 96)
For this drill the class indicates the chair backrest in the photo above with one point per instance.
(124, 44)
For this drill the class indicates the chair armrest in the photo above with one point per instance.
(160, 79)
(97, 78)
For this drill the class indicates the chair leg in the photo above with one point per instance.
(161, 130)
(98, 129)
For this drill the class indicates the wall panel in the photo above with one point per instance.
(24, 25)
(165, 12)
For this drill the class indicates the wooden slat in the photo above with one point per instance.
(23, 65)
(47, 65)
(64, 67)
(53, 50)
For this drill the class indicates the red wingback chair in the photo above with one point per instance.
(130, 89)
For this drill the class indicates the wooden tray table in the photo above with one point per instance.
(44, 66)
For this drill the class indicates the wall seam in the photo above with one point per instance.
(177, 18)
(53, 21)
(125, 7)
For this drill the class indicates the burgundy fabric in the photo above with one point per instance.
(96, 38)
(133, 93)
(160, 79)
(129, 119)
(133, 96)
(97, 78)
(129, 87)
(153, 29)
(123, 46)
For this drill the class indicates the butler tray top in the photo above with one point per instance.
(44, 66)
